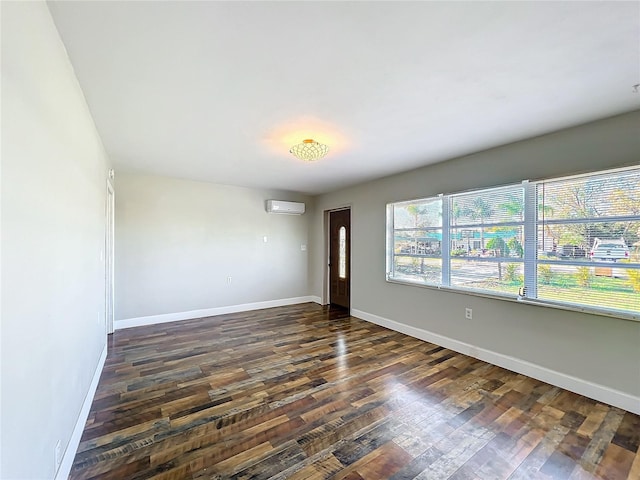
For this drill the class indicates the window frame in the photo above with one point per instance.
(517, 224)
(530, 226)
(391, 235)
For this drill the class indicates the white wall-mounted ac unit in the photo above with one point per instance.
(280, 206)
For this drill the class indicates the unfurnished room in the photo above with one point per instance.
(309, 240)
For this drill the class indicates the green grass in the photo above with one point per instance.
(602, 292)
(567, 280)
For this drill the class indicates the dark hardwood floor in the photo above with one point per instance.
(304, 392)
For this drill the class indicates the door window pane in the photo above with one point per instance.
(342, 252)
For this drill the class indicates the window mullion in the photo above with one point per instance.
(445, 246)
(390, 236)
(530, 240)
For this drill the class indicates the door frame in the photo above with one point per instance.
(109, 257)
(326, 283)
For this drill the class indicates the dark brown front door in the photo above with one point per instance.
(340, 258)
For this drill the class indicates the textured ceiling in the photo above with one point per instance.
(219, 91)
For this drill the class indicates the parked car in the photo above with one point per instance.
(609, 250)
(570, 251)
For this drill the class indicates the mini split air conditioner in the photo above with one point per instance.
(280, 206)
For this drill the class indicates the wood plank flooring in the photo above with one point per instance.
(304, 392)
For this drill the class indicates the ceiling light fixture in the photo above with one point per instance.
(309, 150)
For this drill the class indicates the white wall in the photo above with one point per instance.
(601, 350)
(52, 201)
(177, 241)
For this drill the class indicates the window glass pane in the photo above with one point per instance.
(498, 277)
(418, 213)
(609, 285)
(496, 205)
(342, 252)
(590, 197)
(417, 241)
(499, 242)
(487, 239)
(588, 228)
(418, 269)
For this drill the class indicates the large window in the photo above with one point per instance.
(571, 241)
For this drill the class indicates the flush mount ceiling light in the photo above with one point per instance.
(309, 150)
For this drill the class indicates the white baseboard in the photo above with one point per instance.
(577, 385)
(315, 299)
(72, 447)
(208, 312)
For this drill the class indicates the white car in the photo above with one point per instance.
(609, 250)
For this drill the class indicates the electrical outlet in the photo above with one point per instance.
(58, 454)
(468, 313)
(229, 280)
